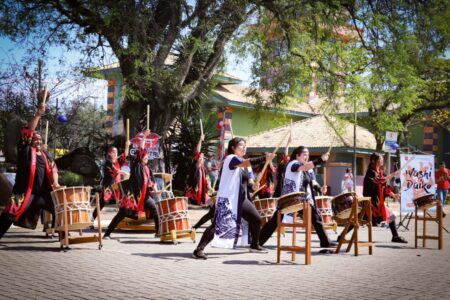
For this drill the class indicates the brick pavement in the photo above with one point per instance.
(136, 266)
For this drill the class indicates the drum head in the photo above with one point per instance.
(295, 194)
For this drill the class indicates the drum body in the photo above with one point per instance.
(173, 215)
(425, 201)
(324, 209)
(266, 208)
(291, 202)
(342, 205)
(78, 207)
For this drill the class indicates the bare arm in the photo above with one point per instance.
(32, 124)
(311, 164)
(199, 145)
(55, 176)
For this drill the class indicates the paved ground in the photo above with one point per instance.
(136, 266)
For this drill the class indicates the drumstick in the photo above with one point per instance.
(398, 172)
(45, 94)
(260, 175)
(46, 133)
(231, 129)
(256, 192)
(128, 129)
(201, 126)
(148, 117)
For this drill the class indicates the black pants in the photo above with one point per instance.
(149, 204)
(249, 213)
(37, 202)
(101, 201)
(208, 216)
(270, 227)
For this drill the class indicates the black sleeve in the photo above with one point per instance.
(254, 161)
(317, 188)
(296, 166)
(317, 161)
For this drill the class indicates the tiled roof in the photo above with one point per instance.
(237, 93)
(315, 132)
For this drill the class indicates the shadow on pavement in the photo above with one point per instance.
(171, 256)
(260, 262)
(136, 242)
(29, 248)
(397, 247)
(176, 256)
(49, 241)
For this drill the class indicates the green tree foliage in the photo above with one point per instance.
(384, 55)
(156, 43)
(372, 52)
(19, 86)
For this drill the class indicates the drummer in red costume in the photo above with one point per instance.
(142, 188)
(281, 169)
(34, 180)
(112, 174)
(376, 188)
(197, 185)
(265, 188)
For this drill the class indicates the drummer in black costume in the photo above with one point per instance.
(299, 176)
(142, 185)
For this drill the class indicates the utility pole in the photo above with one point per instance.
(354, 145)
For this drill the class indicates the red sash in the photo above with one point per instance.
(144, 189)
(31, 181)
(380, 181)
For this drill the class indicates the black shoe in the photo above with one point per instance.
(258, 249)
(328, 245)
(199, 254)
(399, 239)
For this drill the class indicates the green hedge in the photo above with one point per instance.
(68, 178)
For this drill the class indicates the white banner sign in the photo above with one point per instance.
(390, 142)
(417, 178)
(151, 144)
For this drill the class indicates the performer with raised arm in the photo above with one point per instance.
(265, 188)
(299, 176)
(281, 169)
(143, 190)
(111, 174)
(35, 179)
(233, 203)
(197, 185)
